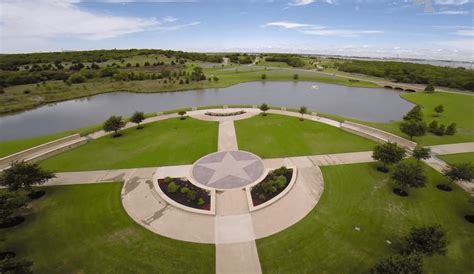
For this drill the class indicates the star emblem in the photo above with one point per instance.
(229, 166)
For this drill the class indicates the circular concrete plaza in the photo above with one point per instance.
(228, 169)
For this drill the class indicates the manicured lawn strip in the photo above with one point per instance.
(458, 108)
(458, 158)
(168, 142)
(84, 229)
(13, 146)
(325, 241)
(279, 136)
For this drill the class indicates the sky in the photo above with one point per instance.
(428, 29)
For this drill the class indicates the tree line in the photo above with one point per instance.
(459, 78)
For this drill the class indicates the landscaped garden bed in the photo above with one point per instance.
(184, 192)
(274, 183)
(225, 113)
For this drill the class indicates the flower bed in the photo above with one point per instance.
(184, 192)
(274, 183)
(225, 113)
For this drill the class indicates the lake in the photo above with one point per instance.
(368, 104)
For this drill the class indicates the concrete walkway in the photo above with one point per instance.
(453, 148)
(227, 137)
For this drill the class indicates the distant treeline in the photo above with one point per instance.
(290, 59)
(459, 78)
(13, 61)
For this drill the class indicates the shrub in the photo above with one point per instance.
(168, 180)
(396, 264)
(185, 190)
(430, 88)
(428, 240)
(172, 187)
(264, 76)
(440, 131)
(451, 129)
(200, 202)
(26, 91)
(191, 195)
(433, 126)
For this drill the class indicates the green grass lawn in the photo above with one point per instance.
(167, 142)
(458, 158)
(279, 136)
(325, 241)
(458, 108)
(84, 229)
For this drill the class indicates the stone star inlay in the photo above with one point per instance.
(228, 167)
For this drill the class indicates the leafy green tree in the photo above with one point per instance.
(264, 76)
(433, 126)
(114, 123)
(23, 175)
(137, 118)
(415, 114)
(397, 264)
(10, 202)
(426, 240)
(459, 172)
(439, 109)
(451, 129)
(421, 153)
(441, 130)
(182, 113)
(409, 175)
(15, 265)
(295, 76)
(303, 110)
(430, 88)
(413, 128)
(264, 108)
(388, 153)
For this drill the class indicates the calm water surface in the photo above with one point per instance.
(368, 104)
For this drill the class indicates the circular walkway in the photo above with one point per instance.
(228, 169)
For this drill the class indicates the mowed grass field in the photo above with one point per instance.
(458, 158)
(84, 229)
(325, 241)
(280, 136)
(458, 108)
(167, 142)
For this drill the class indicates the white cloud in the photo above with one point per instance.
(311, 29)
(465, 32)
(452, 12)
(307, 2)
(451, 2)
(46, 20)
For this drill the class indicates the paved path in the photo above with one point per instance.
(227, 140)
(453, 148)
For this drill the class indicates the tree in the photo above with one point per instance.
(439, 109)
(430, 88)
(396, 264)
(413, 128)
(182, 113)
(409, 175)
(137, 118)
(388, 153)
(451, 129)
(441, 130)
(10, 202)
(23, 175)
(420, 153)
(427, 240)
(416, 114)
(459, 172)
(264, 107)
(15, 265)
(264, 76)
(295, 77)
(114, 123)
(433, 127)
(303, 110)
